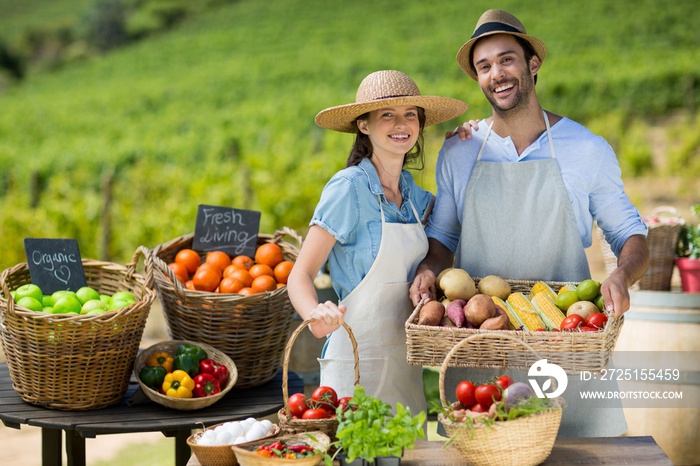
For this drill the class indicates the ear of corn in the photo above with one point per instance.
(568, 287)
(550, 314)
(542, 287)
(522, 306)
(513, 320)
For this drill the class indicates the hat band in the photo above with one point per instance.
(494, 27)
(393, 96)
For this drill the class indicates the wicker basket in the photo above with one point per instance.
(519, 442)
(287, 422)
(247, 457)
(185, 404)
(221, 455)
(251, 330)
(73, 361)
(574, 351)
(662, 241)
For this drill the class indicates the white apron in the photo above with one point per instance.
(376, 312)
(518, 223)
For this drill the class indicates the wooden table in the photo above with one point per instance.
(566, 451)
(145, 416)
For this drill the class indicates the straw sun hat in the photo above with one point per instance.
(496, 22)
(388, 88)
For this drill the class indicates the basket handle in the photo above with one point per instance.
(479, 336)
(157, 262)
(286, 231)
(131, 266)
(288, 350)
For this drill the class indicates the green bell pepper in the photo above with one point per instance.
(187, 362)
(153, 376)
(198, 352)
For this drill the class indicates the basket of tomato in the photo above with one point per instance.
(184, 375)
(318, 411)
(237, 303)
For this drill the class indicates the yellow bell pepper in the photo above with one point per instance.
(178, 384)
(161, 359)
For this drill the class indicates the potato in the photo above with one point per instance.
(499, 322)
(440, 275)
(457, 284)
(431, 313)
(446, 322)
(582, 308)
(455, 312)
(493, 285)
(479, 308)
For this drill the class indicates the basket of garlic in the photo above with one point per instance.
(212, 446)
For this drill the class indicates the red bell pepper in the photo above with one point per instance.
(205, 385)
(209, 366)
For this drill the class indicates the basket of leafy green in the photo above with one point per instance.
(503, 423)
(367, 430)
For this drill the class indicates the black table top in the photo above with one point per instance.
(146, 416)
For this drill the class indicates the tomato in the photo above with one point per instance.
(597, 320)
(343, 403)
(504, 381)
(486, 394)
(479, 408)
(465, 393)
(316, 413)
(297, 404)
(326, 398)
(586, 328)
(571, 322)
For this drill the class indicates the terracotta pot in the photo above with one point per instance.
(690, 274)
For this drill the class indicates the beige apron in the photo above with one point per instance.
(376, 311)
(518, 223)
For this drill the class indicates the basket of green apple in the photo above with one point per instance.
(74, 350)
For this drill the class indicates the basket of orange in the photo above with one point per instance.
(237, 304)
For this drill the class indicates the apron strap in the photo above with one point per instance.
(549, 137)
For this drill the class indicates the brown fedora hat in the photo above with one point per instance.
(496, 22)
(388, 88)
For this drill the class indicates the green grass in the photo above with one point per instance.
(220, 110)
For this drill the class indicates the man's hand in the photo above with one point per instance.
(631, 265)
(465, 130)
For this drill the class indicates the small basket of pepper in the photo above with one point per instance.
(184, 375)
(304, 449)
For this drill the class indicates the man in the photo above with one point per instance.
(518, 199)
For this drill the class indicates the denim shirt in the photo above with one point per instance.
(349, 210)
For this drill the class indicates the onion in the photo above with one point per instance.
(517, 393)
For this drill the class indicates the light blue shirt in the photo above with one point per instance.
(588, 166)
(349, 210)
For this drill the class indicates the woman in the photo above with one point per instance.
(368, 225)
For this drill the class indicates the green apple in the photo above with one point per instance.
(30, 290)
(124, 296)
(118, 304)
(47, 300)
(105, 298)
(30, 303)
(67, 304)
(47, 309)
(86, 293)
(93, 305)
(60, 293)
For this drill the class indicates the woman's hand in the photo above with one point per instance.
(465, 130)
(328, 317)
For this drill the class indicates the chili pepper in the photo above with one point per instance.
(300, 448)
(161, 359)
(185, 348)
(276, 446)
(186, 362)
(178, 384)
(205, 385)
(209, 366)
(152, 376)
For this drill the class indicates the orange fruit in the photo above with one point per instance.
(218, 258)
(189, 258)
(264, 283)
(269, 254)
(227, 271)
(180, 271)
(282, 271)
(243, 262)
(189, 285)
(230, 285)
(261, 269)
(280, 285)
(247, 291)
(210, 266)
(206, 279)
(242, 276)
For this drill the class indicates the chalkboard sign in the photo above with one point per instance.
(54, 264)
(234, 231)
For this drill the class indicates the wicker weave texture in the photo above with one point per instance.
(521, 442)
(185, 404)
(246, 456)
(251, 330)
(573, 351)
(71, 361)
